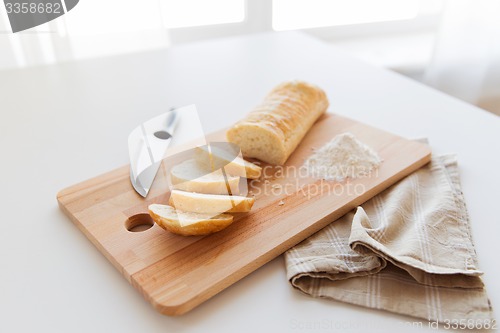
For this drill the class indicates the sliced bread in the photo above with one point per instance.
(192, 177)
(209, 203)
(188, 224)
(215, 158)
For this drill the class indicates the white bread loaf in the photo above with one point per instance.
(273, 130)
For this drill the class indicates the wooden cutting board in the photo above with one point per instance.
(176, 273)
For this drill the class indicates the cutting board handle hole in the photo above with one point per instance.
(139, 222)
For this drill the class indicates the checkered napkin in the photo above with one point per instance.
(408, 250)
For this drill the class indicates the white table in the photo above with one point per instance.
(66, 123)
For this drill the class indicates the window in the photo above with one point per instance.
(304, 14)
(97, 28)
(191, 13)
(93, 17)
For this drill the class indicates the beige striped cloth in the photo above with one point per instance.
(408, 250)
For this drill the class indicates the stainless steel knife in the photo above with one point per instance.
(147, 145)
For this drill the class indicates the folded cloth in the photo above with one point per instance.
(408, 250)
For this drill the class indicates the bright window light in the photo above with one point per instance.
(302, 14)
(189, 13)
(94, 17)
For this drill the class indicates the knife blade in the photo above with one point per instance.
(147, 145)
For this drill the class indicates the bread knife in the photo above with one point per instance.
(147, 145)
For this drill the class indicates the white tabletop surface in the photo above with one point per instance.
(66, 123)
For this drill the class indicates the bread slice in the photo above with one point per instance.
(188, 224)
(209, 203)
(215, 158)
(273, 130)
(192, 177)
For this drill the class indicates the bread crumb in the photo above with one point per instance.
(281, 203)
(276, 186)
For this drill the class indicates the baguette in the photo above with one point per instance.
(216, 157)
(209, 203)
(188, 224)
(190, 176)
(273, 130)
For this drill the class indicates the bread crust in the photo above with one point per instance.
(273, 130)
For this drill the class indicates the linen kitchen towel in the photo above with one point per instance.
(408, 250)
